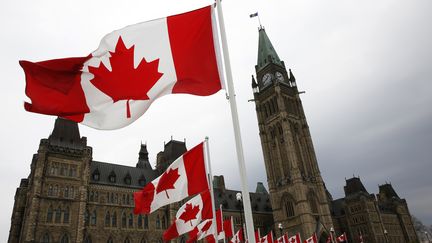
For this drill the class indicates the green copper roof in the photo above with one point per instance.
(266, 52)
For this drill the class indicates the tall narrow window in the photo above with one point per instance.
(110, 240)
(130, 223)
(140, 221)
(123, 220)
(87, 239)
(66, 192)
(93, 218)
(46, 238)
(107, 219)
(50, 190)
(114, 220)
(163, 222)
(157, 222)
(57, 217)
(64, 239)
(146, 222)
(289, 208)
(55, 190)
(49, 215)
(66, 215)
(127, 240)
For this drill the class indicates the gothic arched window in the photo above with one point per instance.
(110, 240)
(127, 179)
(146, 222)
(288, 206)
(123, 220)
(157, 222)
(114, 220)
(66, 215)
(140, 221)
(107, 219)
(50, 190)
(163, 222)
(49, 215)
(56, 189)
(127, 240)
(112, 177)
(64, 239)
(57, 216)
(93, 218)
(46, 238)
(130, 223)
(143, 240)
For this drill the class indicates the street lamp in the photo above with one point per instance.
(386, 235)
(239, 200)
(427, 236)
(280, 229)
(332, 231)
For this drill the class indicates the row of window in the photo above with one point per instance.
(270, 107)
(112, 177)
(60, 169)
(127, 220)
(58, 215)
(61, 191)
(47, 238)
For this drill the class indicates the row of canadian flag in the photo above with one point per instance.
(190, 176)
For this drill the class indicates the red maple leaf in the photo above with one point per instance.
(190, 212)
(206, 226)
(124, 82)
(167, 181)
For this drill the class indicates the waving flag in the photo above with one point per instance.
(295, 239)
(205, 230)
(190, 215)
(228, 227)
(133, 66)
(312, 239)
(342, 238)
(185, 177)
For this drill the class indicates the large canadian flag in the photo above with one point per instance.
(295, 239)
(185, 177)
(133, 66)
(190, 215)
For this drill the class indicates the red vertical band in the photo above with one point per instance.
(193, 51)
(195, 170)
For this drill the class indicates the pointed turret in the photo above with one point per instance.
(143, 161)
(66, 134)
(266, 52)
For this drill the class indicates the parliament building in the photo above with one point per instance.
(69, 197)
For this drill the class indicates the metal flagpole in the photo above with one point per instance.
(210, 175)
(234, 114)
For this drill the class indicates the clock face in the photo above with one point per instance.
(279, 76)
(266, 79)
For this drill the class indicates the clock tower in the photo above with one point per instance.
(298, 195)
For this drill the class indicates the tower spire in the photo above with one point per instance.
(266, 52)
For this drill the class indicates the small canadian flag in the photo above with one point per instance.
(206, 229)
(342, 238)
(295, 239)
(185, 177)
(219, 224)
(190, 215)
(312, 239)
(268, 238)
(238, 237)
(228, 227)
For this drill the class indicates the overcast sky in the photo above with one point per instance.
(366, 67)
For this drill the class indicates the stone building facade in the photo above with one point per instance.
(69, 197)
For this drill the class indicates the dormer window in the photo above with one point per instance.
(112, 177)
(96, 175)
(142, 181)
(127, 179)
